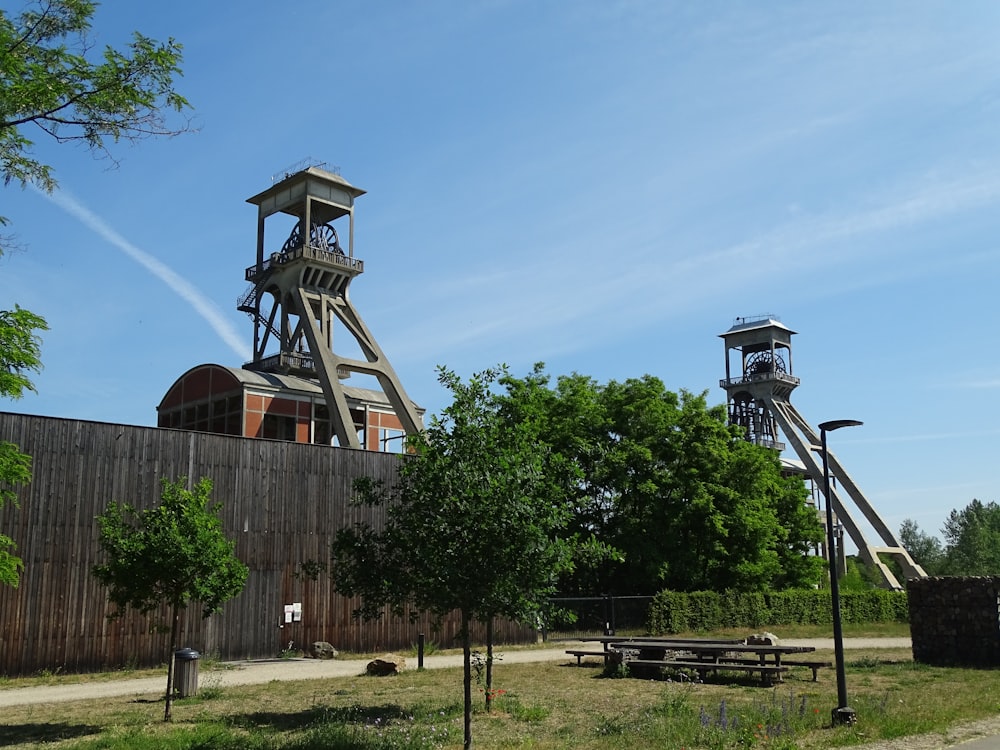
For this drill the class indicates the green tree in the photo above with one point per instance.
(49, 83)
(470, 525)
(169, 556)
(972, 538)
(665, 481)
(860, 576)
(20, 354)
(926, 550)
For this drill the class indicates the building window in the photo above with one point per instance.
(391, 441)
(275, 427)
(222, 416)
(321, 424)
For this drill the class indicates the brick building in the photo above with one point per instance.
(233, 401)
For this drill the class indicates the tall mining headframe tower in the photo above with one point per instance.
(300, 290)
(759, 390)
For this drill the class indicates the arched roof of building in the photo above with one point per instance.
(793, 466)
(207, 377)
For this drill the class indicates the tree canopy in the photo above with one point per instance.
(53, 81)
(20, 354)
(471, 524)
(972, 538)
(971, 542)
(169, 556)
(688, 502)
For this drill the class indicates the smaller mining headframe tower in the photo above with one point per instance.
(300, 291)
(759, 394)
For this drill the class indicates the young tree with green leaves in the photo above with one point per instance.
(20, 354)
(168, 557)
(55, 82)
(471, 524)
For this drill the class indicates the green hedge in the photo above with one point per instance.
(676, 612)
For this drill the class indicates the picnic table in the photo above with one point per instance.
(700, 654)
(606, 641)
(704, 656)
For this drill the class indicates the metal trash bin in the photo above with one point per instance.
(186, 672)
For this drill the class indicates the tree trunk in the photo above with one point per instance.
(467, 663)
(174, 627)
(489, 664)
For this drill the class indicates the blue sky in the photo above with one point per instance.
(602, 186)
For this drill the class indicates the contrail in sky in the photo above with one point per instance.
(202, 305)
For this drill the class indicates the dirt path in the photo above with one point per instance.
(246, 673)
(258, 672)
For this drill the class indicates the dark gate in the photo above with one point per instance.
(582, 616)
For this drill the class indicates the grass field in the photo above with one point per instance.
(542, 706)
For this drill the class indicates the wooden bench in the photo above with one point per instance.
(815, 666)
(580, 653)
(767, 671)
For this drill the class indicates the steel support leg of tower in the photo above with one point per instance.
(804, 439)
(312, 311)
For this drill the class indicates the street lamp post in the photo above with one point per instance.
(842, 714)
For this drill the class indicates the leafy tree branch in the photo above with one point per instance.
(48, 80)
(20, 355)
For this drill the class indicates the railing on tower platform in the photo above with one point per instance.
(291, 363)
(285, 362)
(311, 253)
(759, 377)
(768, 443)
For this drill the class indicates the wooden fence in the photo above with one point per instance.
(281, 502)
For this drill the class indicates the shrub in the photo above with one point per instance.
(676, 612)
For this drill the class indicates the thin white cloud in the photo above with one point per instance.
(692, 276)
(181, 286)
(576, 294)
(910, 492)
(981, 384)
(929, 437)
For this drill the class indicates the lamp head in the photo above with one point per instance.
(836, 424)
